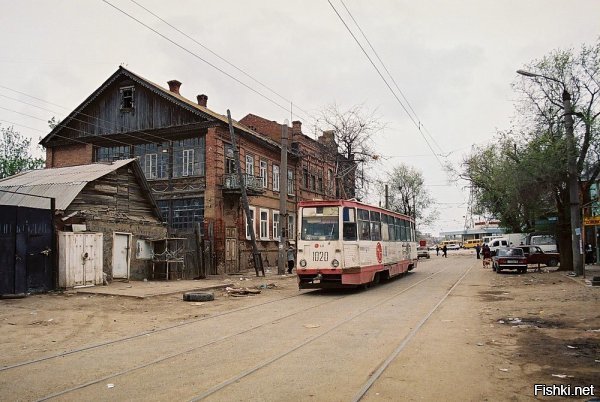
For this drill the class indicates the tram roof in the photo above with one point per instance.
(348, 203)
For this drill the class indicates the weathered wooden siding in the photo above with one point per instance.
(117, 203)
(151, 111)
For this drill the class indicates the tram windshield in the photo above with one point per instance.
(320, 223)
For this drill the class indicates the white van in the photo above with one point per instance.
(546, 242)
(497, 243)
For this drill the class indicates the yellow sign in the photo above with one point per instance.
(591, 220)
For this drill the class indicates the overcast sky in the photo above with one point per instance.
(454, 61)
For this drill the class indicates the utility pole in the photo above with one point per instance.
(258, 266)
(576, 246)
(573, 185)
(283, 189)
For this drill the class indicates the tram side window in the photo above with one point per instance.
(404, 231)
(375, 226)
(364, 231)
(391, 230)
(398, 229)
(385, 234)
(349, 224)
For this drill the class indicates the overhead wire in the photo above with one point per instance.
(185, 49)
(390, 75)
(224, 60)
(386, 82)
(82, 121)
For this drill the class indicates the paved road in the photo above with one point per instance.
(381, 343)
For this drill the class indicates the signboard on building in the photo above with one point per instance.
(591, 220)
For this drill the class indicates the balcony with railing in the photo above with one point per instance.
(254, 184)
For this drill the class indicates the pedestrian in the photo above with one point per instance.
(437, 250)
(487, 256)
(290, 259)
(589, 253)
(445, 251)
(477, 251)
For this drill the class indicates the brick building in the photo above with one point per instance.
(185, 151)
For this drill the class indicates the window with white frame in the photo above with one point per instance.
(276, 234)
(188, 162)
(291, 227)
(263, 174)
(290, 188)
(150, 166)
(252, 215)
(275, 178)
(264, 224)
(250, 165)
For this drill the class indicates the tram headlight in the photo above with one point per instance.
(303, 263)
(335, 263)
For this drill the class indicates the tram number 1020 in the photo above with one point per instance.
(320, 256)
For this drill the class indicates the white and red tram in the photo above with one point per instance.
(345, 243)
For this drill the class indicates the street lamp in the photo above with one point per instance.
(572, 172)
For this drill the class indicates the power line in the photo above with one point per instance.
(391, 77)
(223, 59)
(417, 125)
(197, 56)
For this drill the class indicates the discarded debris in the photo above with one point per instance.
(559, 375)
(572, 347)
(479, 344)
(241, 291)
(267, 286)
(110, 385)
(503, 369)
(311, 326)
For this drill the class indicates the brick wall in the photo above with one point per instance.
(69, 155)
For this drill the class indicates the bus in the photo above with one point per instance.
(471, 243)
(346, 243)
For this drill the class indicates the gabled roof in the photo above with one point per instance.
(62, 184)
(185, 103)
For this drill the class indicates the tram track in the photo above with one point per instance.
(275, 358)
(176, 354)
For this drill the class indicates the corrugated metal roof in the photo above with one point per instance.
(63, 184)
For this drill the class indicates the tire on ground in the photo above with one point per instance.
(198, 296)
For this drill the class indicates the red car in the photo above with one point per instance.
(535, 255)
(509, 258)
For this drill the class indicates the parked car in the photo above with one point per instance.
(509, 258)
(423, 252)
(535, 255)
(453, 246)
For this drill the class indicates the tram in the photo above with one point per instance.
(345, 243)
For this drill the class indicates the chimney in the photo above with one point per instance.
(328, 138)
(174, 86)
(296, 127)
(202, 100)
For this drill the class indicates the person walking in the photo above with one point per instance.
(437, 250)
(477, 251)
(487, 256)
(445, 251)
(290, 259)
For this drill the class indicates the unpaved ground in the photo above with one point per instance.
(546, 326)
(513, 330)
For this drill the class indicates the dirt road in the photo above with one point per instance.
(448, 331)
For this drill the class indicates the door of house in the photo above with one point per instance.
(120, 267)
(231, 250)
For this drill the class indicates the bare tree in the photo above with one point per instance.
(351, 146)
(408, 195)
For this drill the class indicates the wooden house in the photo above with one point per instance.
(111, 199)
(185, 152)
